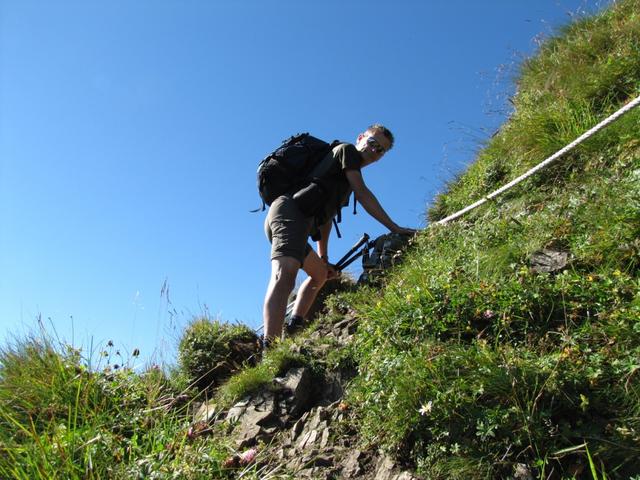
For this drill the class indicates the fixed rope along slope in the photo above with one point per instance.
(612, 118)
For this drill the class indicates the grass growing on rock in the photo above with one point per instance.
(276, 361)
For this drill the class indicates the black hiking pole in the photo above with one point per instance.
(345, 260)
(346, 263)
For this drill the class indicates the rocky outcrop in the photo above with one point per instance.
(301, 425)
(386, 251)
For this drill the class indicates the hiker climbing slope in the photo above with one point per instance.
(308, 210)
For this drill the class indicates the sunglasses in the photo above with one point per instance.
(375, 146)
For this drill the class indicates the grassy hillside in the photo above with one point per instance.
(471, 362)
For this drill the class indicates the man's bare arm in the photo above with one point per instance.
(323, 249)
(323, 243)
(371, 204)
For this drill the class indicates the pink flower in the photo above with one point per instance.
(247, 457)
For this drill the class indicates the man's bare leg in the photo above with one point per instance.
(317, 270)
(283, 279)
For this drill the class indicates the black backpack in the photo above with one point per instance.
(292, 166)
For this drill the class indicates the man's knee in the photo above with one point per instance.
(284, 269)
(319, 276)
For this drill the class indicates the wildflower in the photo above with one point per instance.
(426, 408)
(590, 278)
(488, 314)
(247, 457)
(584, 402)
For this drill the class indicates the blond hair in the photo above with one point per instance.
(378, 127)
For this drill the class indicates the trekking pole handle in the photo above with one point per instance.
(339, 265)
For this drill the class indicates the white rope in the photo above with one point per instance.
(559, 153)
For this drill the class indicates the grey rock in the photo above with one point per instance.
(345, 335)
(248, 436)
(205, 413)
(351, 466)
(307, 440)
(318, 460)
(299, 381)
(548, 260)
(342, 323)
(387, 470)
(297, 429)
(239, 408)
(309, 473)
(234, 413)
(405, 476)
(384, 470)
(257, 419)
(324, 441)
(387, 252)
(522, 472)
(244, 402)
(253, 416)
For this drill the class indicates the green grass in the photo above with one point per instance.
(59, 419)
(578, 78)
(471, 364)
(277, 360)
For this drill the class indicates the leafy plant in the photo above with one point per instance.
(209, 351)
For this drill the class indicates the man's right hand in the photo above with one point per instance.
(332, 271)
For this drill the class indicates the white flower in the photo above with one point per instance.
(426, 408)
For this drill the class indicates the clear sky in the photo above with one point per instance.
(130, 133)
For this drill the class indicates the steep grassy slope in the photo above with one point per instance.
(472, 364)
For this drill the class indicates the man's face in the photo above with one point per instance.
(372, 145)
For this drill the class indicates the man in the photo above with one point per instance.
(287, 228)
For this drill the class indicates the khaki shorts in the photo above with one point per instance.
(287, 229)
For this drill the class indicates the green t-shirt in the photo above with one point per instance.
(346, 157)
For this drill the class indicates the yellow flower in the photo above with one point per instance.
(584, 402)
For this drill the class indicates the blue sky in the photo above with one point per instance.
(130, 134)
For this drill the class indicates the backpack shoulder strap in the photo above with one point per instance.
(325, 164)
